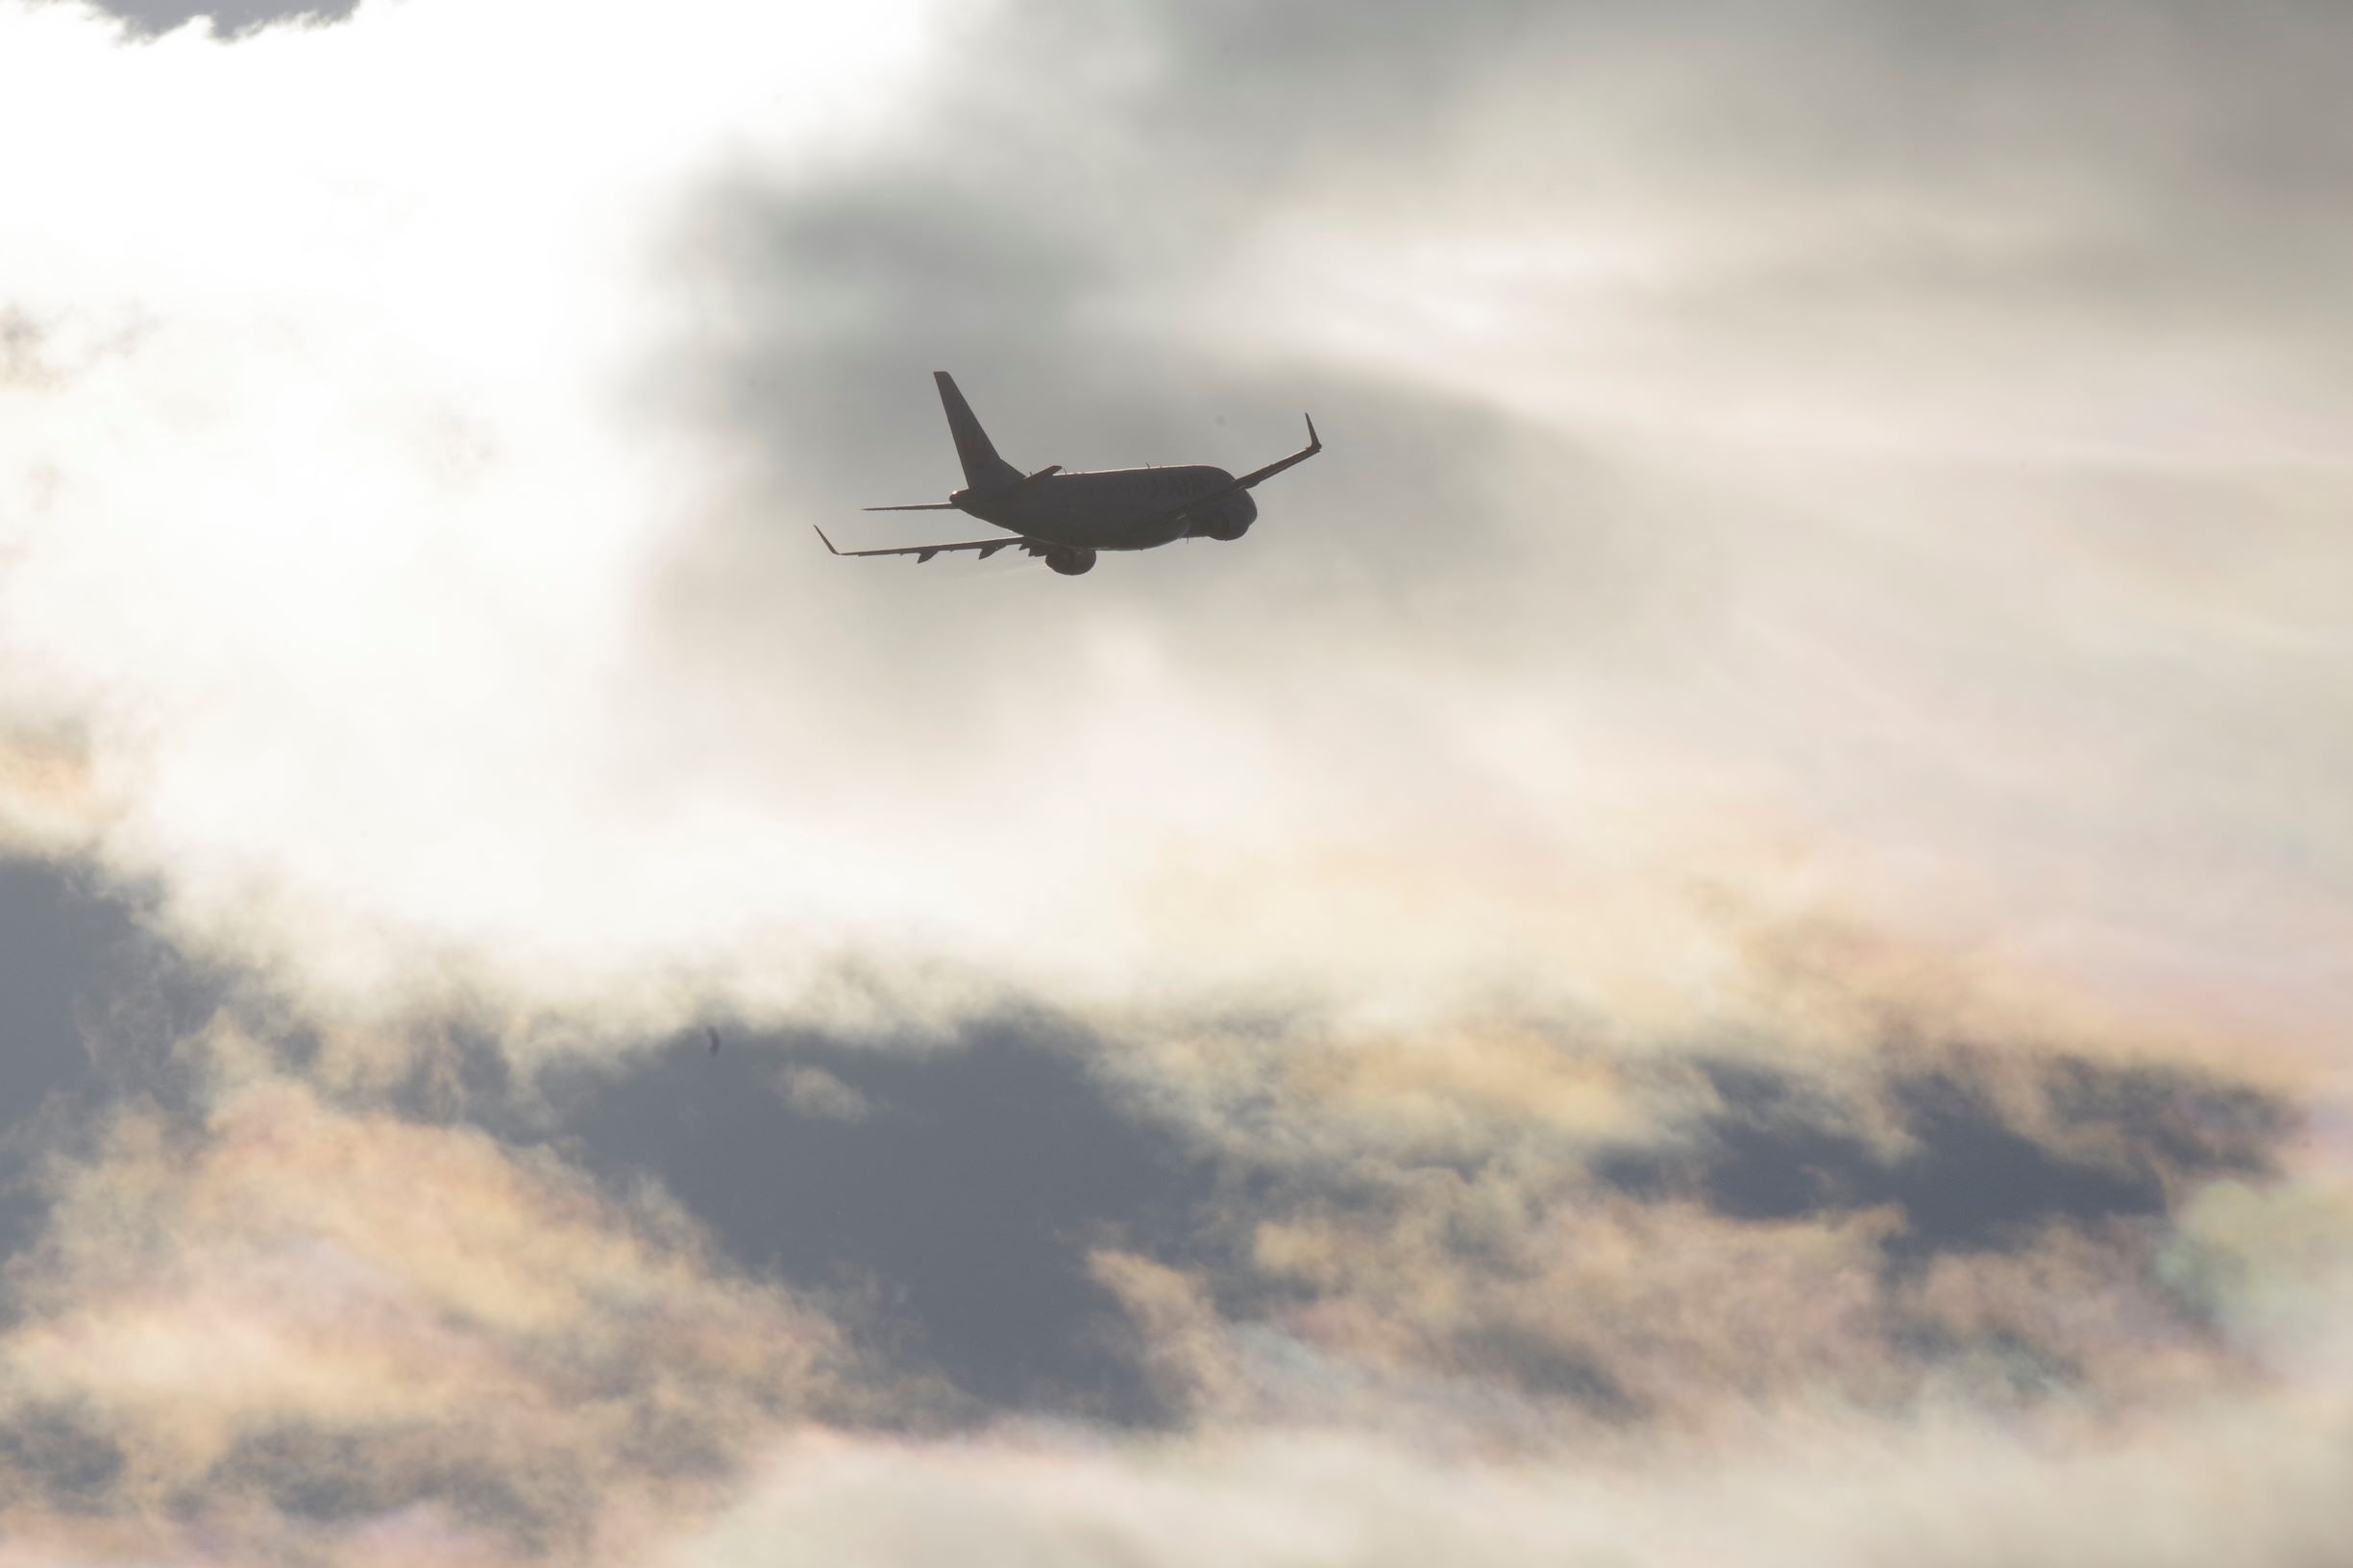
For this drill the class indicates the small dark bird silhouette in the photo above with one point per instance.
(714, 1033)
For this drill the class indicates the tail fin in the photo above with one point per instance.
(983, 468)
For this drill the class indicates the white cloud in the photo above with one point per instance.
(432, 647)
(2257, 1485)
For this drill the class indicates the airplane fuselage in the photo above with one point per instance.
(1118, 508)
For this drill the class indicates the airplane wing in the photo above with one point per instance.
(1255, 477)
(925, 552)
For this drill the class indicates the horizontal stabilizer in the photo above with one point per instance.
(1001, 493)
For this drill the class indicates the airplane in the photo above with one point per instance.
(1067, 518)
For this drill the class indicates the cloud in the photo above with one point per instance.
(314, 1329)
(1947, 1222)
(1423, 1236)
(2257, 1485)
(813, 1091)
(226, 17)
(2078, 1405)
(46, 801)
(291, 1317)
(954, 1216)
(1721, 935)
(452, 644)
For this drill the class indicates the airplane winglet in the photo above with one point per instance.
(1316, 442)
(821, 533)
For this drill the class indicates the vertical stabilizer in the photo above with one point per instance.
(983, 468)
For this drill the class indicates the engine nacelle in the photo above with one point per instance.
(1071, 560)
(1228, 518)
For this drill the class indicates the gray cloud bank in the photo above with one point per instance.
(674, 1312)
(1036, 1223)
(227, 17)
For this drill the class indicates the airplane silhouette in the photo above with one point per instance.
(1066, 518)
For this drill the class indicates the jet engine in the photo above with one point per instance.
(1228, 519)
(1071, 560)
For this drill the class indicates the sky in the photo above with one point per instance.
(1726, 936)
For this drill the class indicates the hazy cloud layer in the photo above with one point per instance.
(1810, 1494)
(1725, 499)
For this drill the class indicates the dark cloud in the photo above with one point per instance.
(323, 1474)
(959, 1218)
(58, 1455)
(1243, 98)
(958, 1209)
(229, 17)
(2108, 1142)
(71, 962)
